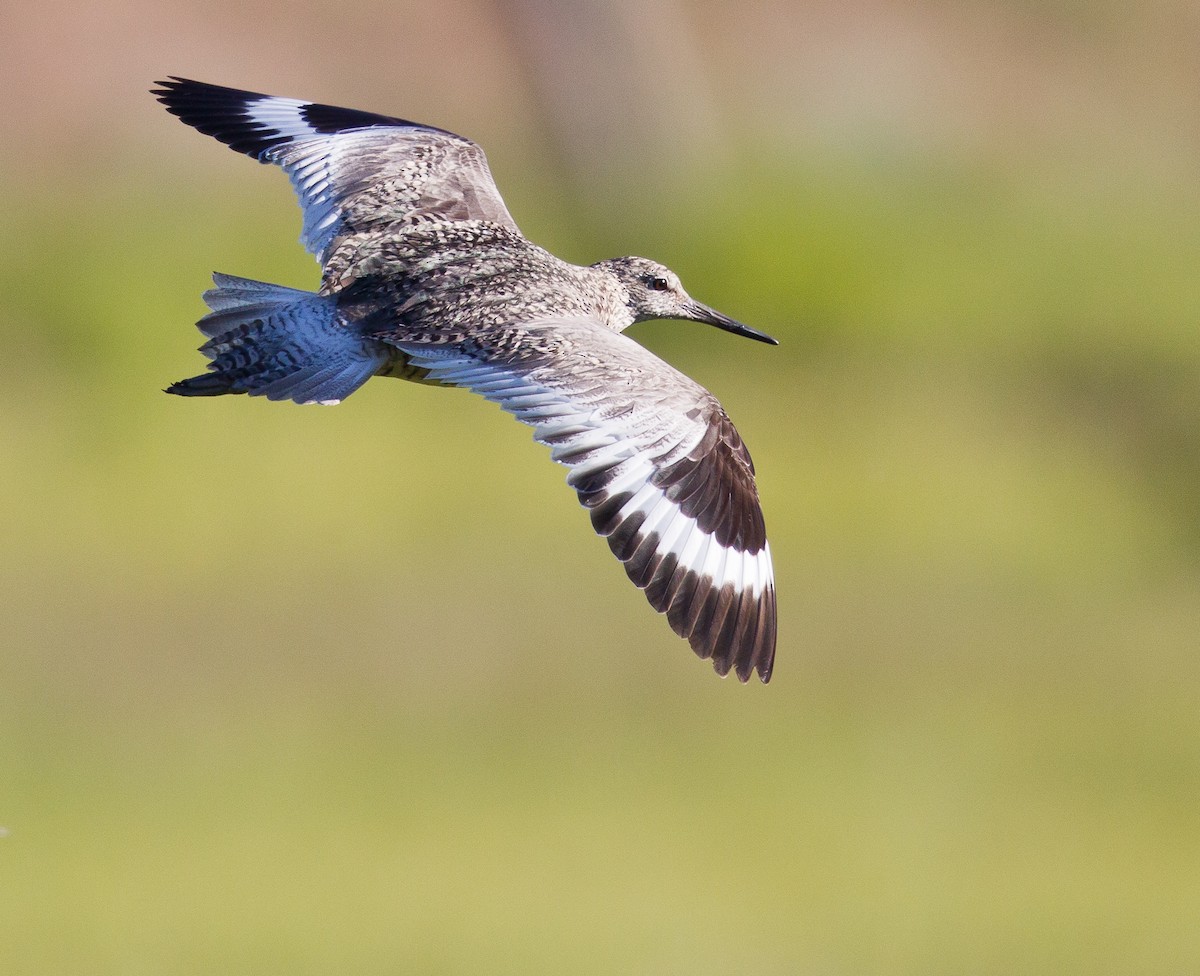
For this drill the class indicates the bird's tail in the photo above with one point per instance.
(281, 343)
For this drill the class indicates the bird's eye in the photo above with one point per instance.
(654, 283)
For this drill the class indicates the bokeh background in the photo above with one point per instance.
(353, 690)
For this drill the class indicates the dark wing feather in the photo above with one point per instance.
(654, 458)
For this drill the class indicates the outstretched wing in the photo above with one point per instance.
(656, 460)
(352, 170)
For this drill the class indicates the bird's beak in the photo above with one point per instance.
(702, 313)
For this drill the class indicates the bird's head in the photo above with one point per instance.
(653, 291)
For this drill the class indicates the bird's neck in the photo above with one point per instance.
(612, 301)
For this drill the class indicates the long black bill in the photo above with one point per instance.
(702, 313)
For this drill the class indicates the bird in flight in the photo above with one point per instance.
(426, 277)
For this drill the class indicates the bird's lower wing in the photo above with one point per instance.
(654, 458)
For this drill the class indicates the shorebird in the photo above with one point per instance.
(426, 277)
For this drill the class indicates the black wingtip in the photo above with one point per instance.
(176, 92)
(219, 112)
(206, 384)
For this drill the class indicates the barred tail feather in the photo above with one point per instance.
(234, 292)
(281, 343)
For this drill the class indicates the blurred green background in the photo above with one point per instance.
(353, 690)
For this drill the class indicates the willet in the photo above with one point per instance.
(426, 277)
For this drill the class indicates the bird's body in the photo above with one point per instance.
(426, 277)
(439, 281)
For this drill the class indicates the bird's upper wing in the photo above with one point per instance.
(656, 460)
(352, 170)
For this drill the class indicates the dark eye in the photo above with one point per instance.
(657, 284)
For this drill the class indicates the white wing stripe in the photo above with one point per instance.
(644, 500)
(678, 529)
(695, 549)
(633, 470)
(591, 449)
(694, 544)
(713, 563)
(281, 114)
(659, 517)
